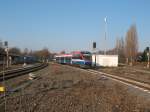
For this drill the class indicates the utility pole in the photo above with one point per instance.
(5, 100)
(148, 58)
(7, 62)
(105, 20)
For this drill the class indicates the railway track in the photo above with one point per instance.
(126, 81)
(16, 73)
(5, 75)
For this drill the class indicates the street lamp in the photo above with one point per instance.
(105, 20)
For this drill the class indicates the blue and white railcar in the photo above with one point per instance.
(77, 58)
(64, 58)
(82, 59)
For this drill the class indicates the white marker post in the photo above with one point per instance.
(24, 64)
(10, 60)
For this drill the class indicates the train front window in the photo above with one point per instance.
(76, 56)
(87, 56)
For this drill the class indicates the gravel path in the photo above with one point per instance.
(64, 89)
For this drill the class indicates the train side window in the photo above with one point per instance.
(68, 59)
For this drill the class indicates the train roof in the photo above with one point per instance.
(81, 52)
(74, 52)
(64, 55)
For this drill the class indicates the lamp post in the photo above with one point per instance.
(105, 20)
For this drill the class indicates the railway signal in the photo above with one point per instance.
(94, 49)
(6, 43)
(94, 45)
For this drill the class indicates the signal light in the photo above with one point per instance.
(6, 43)
(94, 45)
(147, 49)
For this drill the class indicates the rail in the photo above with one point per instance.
(130, 82)
(142, 85)
(5, 75)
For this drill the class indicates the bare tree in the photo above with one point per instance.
(1, 47)
(62, 52)
(43, 54)
(119, 49)
(1, 44)
(119, 45)
(15, 50)
(30, 52)
(131, 44)
(26, 51)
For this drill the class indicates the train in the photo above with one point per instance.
(18, 59)
(82, 59)
(24, 59)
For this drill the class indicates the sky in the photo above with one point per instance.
(72, 24)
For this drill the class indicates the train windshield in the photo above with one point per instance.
(87, 55)
(76, 56)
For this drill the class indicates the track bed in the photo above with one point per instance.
(60, 88)
(129, 72)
